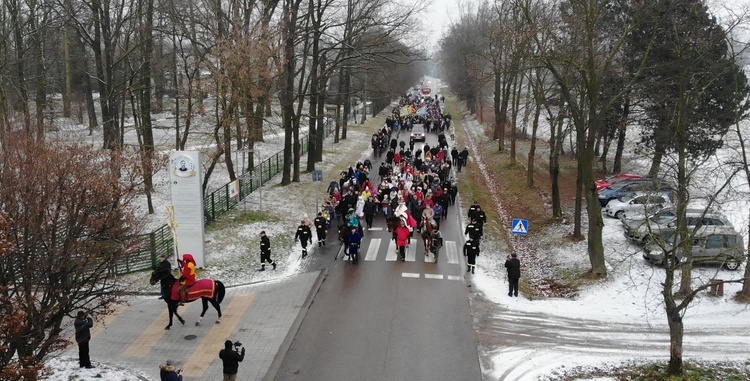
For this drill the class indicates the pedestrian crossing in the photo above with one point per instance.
(448, 253)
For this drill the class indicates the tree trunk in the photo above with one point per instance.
(145, 90)
(656, 161)
(532, 148)
(68, 92)
(497, 96)
(514, 117)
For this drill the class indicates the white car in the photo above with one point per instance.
(637, 204)
(417, 132)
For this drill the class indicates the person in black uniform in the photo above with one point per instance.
(265, 252)
(304, 234)
(321, 228)
(474, 232)
(473, 210)
(471, 252)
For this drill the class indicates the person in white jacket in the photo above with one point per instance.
(359, 212)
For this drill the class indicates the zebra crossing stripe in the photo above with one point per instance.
(372, 250)
(411, 251)
(451, 252)
(391, 255)
(454, 277)
(433, 276)
(410, 275)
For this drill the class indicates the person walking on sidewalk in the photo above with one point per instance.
(463, 158)
(304, 234)
(513, 264)
(265, 252)
(83, 324)
(471, 252)
(231, 359)
(321, 227)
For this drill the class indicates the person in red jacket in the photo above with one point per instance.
(402, 239)
(188, 276)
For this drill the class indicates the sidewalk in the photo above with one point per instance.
(264, 317)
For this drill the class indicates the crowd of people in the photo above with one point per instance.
(408, 185)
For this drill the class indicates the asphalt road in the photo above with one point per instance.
(384, 319)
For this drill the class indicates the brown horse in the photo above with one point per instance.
(426, 227)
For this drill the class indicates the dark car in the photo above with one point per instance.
(628, 187)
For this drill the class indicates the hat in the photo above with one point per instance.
(514, 255)
(170, 362)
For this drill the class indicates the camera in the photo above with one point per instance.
(237, 344)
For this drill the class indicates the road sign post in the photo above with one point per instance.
(519, 226)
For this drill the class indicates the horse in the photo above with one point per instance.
(207, 290)
(426, 228)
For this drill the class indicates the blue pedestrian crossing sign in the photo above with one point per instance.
(520, 226)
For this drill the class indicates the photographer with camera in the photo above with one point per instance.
(168, 372)
(513, 264)
(231, 357)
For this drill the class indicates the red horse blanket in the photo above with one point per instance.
(201, 288)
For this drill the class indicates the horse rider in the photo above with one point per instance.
(429, 214)
(304, 234)
(188, 276)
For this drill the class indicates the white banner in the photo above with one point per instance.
(187, 200)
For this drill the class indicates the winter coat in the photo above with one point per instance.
(369, 208)
(230, 359)
(402, 236)
(188, 270)
(82, 325)
(320, 223)
(169, 373)
(360, 207)
(265, 245)
(355, 239)
(514, 268)
(303, 233)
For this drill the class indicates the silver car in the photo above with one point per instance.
(417, 132)
(664, 223)
(637, 204)
(709, 244)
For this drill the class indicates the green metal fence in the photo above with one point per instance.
(141, 252)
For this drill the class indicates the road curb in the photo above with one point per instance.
(281, 353)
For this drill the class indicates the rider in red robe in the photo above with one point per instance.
(188, 276)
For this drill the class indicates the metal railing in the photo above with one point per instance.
(142, 251)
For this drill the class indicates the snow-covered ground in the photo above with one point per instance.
(630, 296)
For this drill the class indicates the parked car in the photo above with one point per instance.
(709, 244)
(417, 132)
(607, 181)
(637, 204)
(664, 223)
(629, 186)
